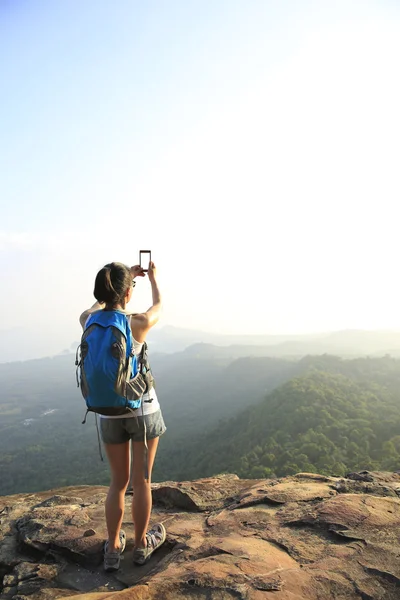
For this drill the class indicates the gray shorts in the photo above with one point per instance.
(119, 431)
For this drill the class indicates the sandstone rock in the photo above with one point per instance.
(365, 482)
(199, 495)
(306, 537)
(59, 500)
(281, 492)
(361, 476)
(89, 533)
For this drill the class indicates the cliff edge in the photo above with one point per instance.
(305, 537)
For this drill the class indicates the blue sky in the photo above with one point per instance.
(252, 145)
(86, 82)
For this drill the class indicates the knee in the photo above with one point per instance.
(120, 483)
(138, 481)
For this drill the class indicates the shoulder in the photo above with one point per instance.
(87, 316)
(83, 320)
(140, 319)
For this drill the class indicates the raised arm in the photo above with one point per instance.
(142, 323)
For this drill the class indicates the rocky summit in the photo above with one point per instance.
(305, 537)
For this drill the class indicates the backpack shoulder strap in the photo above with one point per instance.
(111, 318)
(89, 321)
(143, 358)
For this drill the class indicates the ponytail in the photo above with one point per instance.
(107, 279)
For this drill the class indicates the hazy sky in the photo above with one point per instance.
(253, 145)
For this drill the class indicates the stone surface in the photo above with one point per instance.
(200, 495)
(306, 537)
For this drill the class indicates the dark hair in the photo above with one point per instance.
(112, 283)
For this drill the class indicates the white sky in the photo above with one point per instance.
(256, 153)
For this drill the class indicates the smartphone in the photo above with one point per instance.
(145, 259)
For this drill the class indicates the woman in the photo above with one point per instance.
(113, 290)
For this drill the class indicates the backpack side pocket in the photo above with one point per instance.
(83, 380)
(135, 387)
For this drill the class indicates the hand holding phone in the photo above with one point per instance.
(137, 271)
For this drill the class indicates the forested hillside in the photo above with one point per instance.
(255, 416)
(43, 443)
(338, 416)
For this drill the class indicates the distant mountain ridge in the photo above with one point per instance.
(343, 343)
(170, 339)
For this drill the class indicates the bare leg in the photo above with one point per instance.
(119, 459)
(141, 500)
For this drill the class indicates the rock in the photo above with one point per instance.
(9, 554)
(46, 529)
(361, 476)
(281, 492)
(314, 477)
(306, 537)
(29, 578)
(79, 519)
(89, 533)
(346, 486)
(59, 500)
(199, 495)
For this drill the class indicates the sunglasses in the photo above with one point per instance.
(133, 283)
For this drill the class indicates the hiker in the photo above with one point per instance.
(142, 425)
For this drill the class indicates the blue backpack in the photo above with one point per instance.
(112, 379)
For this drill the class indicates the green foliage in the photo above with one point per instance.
(334, 421)
(320, 414)
(41, 450)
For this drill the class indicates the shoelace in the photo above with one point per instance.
(116, 554)
(153, 538)
(112, 557)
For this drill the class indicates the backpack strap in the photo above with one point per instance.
(142, 361)
(142, 357)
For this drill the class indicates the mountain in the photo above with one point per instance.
(22, 343)
(348, 343)
(175, 339)
(256, 416)
(41, 411)
(338, 415)
(169, 340)
(304, 537)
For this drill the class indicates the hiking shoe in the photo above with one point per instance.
(113, 559)
(154, 539)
